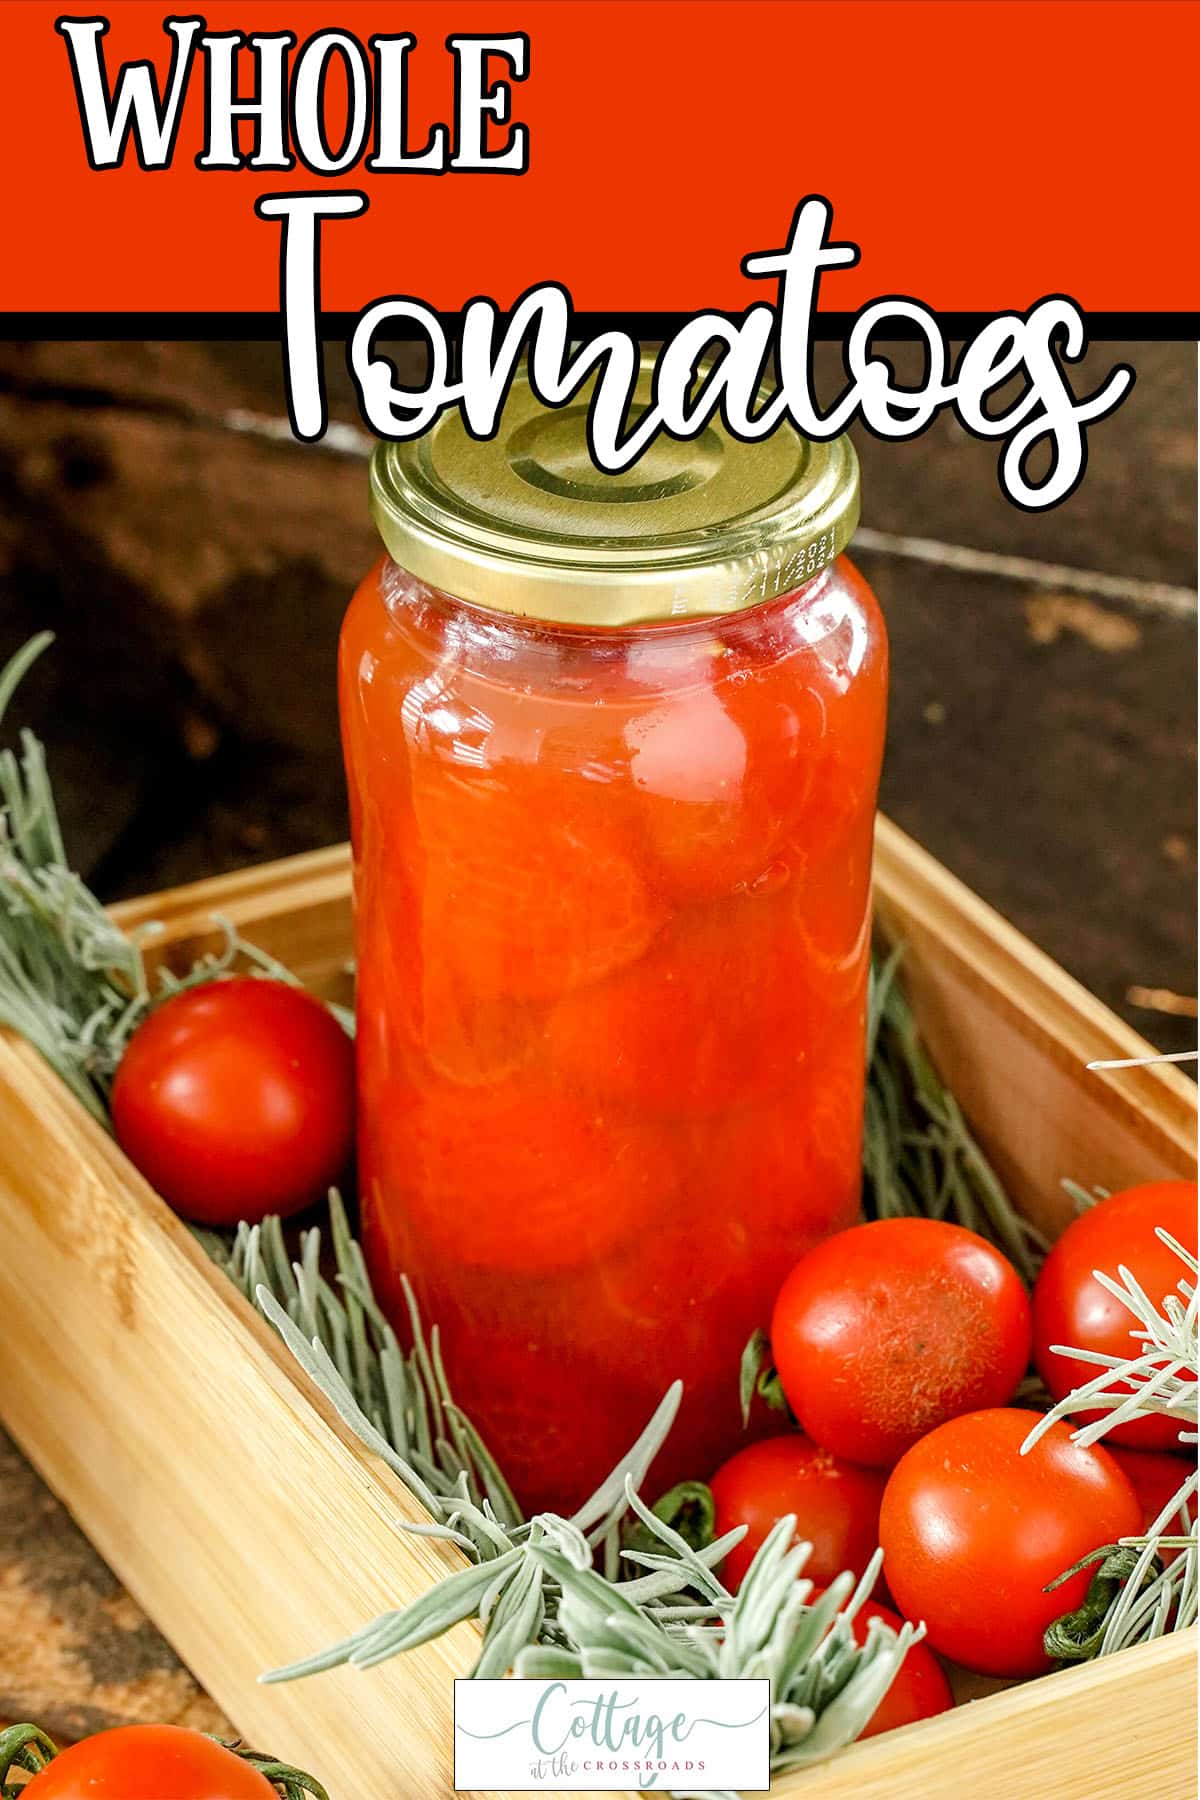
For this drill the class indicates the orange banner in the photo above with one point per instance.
(981, 155)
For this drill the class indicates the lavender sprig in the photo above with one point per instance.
(1158, 1379)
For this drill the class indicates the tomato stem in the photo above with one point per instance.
(23, 1747)
(1077, 1636)
(292, 1784)
(758, 1375)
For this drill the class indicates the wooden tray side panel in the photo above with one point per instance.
(1013, 1033)
(297, 911)
(1123, 1728)
(168, 1417)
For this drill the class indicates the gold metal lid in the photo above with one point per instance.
(527, 524)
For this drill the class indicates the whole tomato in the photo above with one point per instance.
(236, 1099)
(972, 1532)
(721, 771)
(149, 1762)
(920, 1688)
(836, 1505)
(508, 843)
(709, 1019)
(546, 1180)
(1070, 1307)
(885, 1331)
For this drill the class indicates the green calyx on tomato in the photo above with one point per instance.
(25, 1748)
(688, 1509)
(759, 1378)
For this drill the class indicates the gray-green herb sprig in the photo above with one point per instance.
(824, 1686)
(508, 1584)
(1139, 1596)
(552, 1592)
(404, 1397)
(920, 1158)
(71, 982)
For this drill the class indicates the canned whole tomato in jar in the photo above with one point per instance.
(613, 744)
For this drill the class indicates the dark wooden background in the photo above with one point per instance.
(195, 564)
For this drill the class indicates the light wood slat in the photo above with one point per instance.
(1123, 1728)
(250, 1525)
(237, 1510)
(1013, 1032)
(297, 911)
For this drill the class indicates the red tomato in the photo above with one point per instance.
(717, 1013)
(544, 1180)
(1157, 1476)
(920, 1689)
(972, 1531)
(798, 1184)
(721, 771)
(236, 1099)
(1070, 1307)
(149, 1762)
(836, 1505)
(885, 1331)
(529, 890)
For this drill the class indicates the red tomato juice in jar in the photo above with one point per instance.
(613, 744)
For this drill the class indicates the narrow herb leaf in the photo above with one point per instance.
(920, 1158)
(1137, 1595)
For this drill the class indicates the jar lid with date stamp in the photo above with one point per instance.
(525, 523)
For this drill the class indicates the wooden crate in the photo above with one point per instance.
(253, 1528)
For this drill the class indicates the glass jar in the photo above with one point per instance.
(613, 746)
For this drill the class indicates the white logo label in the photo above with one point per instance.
(627, 1733)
